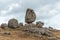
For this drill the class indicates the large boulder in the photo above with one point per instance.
(13, 23)
(4, 25)
(39, 24)
(30, 16)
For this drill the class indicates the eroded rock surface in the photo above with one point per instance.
(4, 25)
(13, 23)
(39, 24)
(30, 16)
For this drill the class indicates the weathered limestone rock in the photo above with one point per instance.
(30, 25)
(39, 24)
(38, 31)
(33, 31)
(51, 29)
(46, 32)
(12, 23)
(30, 16)
(20, 24)
(4, 25)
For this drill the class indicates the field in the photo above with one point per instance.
(16, 34)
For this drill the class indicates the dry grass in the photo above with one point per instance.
(15, 35)
(19, 35)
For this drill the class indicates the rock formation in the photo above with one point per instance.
(13, 23)
(4, 25)
(30, 16)
(20, 24)
(39, 24)
(30, 28)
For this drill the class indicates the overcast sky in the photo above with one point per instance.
(47, 11)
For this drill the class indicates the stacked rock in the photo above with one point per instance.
(30, 16)
(13, 23)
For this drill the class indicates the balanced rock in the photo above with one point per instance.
(13, 23)
(4, 25)
(39, 24)
(30, 16)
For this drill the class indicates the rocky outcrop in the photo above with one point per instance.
(13, 23)
(39, 24)
(46, 32)
(30, 16)
(30, 28)
(4, 25)
(20, 24)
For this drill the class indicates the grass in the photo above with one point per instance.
(17, 34)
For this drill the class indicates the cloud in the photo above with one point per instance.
(4, 19)
(10, 8)
(4, 0)
(54, 21)
(49, 14)
(46, 10)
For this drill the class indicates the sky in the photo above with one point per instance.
(47, 11)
